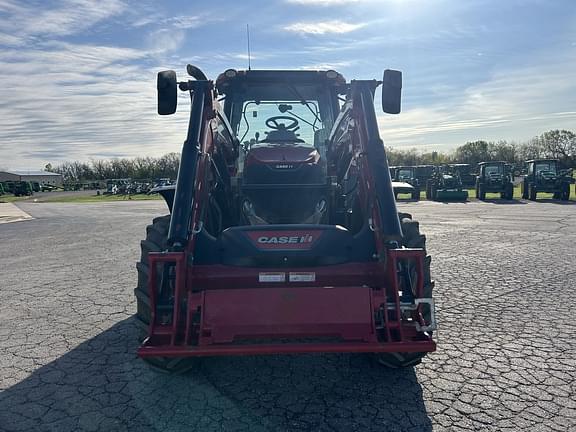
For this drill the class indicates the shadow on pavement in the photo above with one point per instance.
(102, 385)
(503, 201)
(554, 201)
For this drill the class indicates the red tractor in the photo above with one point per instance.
(283, 234)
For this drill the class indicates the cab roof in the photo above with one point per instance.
(276, 84)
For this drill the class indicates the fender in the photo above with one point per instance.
(166, 192)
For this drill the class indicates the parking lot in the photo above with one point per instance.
(505, 278)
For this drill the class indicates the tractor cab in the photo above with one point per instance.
(546, 175)
(464, 172)
(494, 171)
(445, 184)
(404, 180)
(282, 129)
(494, 177)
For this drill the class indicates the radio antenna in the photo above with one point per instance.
(248, 40)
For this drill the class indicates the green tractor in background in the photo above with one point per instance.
(445, 185)
(546, 175)
(494, 177)
(464, 171)
(23, 188)
(404, 180)
(9, 186)
(423, 173)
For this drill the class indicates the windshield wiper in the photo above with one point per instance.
(305, 103)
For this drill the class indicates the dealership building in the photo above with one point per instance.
(42, 177)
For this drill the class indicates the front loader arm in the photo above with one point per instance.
(201, 94)
(377, 172)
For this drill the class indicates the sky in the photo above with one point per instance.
(77, 77)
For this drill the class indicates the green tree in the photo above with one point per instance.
(473, 152)
(560, 144)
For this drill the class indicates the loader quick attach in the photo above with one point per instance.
(283, 235)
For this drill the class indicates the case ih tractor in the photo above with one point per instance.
(283, 235)
(545, 175)
(445, 185)
(494, 177)
(404, 180)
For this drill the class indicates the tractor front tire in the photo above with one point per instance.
(412, 239)
(509, 191)
(156, 241)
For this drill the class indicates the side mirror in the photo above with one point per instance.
(167, 92)
(391, 91)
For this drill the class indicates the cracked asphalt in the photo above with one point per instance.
(505, 278)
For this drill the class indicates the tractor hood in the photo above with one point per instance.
(278, 154)
(402, 187)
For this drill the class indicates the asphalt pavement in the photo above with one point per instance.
(506, 361)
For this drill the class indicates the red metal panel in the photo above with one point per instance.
(211, 277)
(346, 312)
(214, 350)
(335, 303)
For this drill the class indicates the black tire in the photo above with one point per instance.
(525, 190)
(156, 241)
(509, 192)
(532, 193)
(481, 193)
(428, 191)
(565, 195)
(156, 236)
(416, 195)
(414, 239)
(433, 192)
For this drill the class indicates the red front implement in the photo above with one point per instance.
(226, 310)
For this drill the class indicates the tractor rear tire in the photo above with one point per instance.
(429, 191)
(509, 192)
(565, 194)
(524, 190)
(532, 193)
(481, 192)
(412, 239)
(156, 241)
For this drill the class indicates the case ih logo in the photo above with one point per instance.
(284, 240)
(307, 238)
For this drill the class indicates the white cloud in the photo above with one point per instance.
(323, 27)
(186, 21)
(327, 66)
(69, 18)
(165, 40)
(87, 101)
(515, 103)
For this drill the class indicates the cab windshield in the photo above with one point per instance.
(405, 174)
(493, 169)
(546, 166)
(298, 122)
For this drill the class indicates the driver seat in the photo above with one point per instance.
(282, 135)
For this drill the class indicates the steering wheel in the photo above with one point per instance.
(273, 123)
